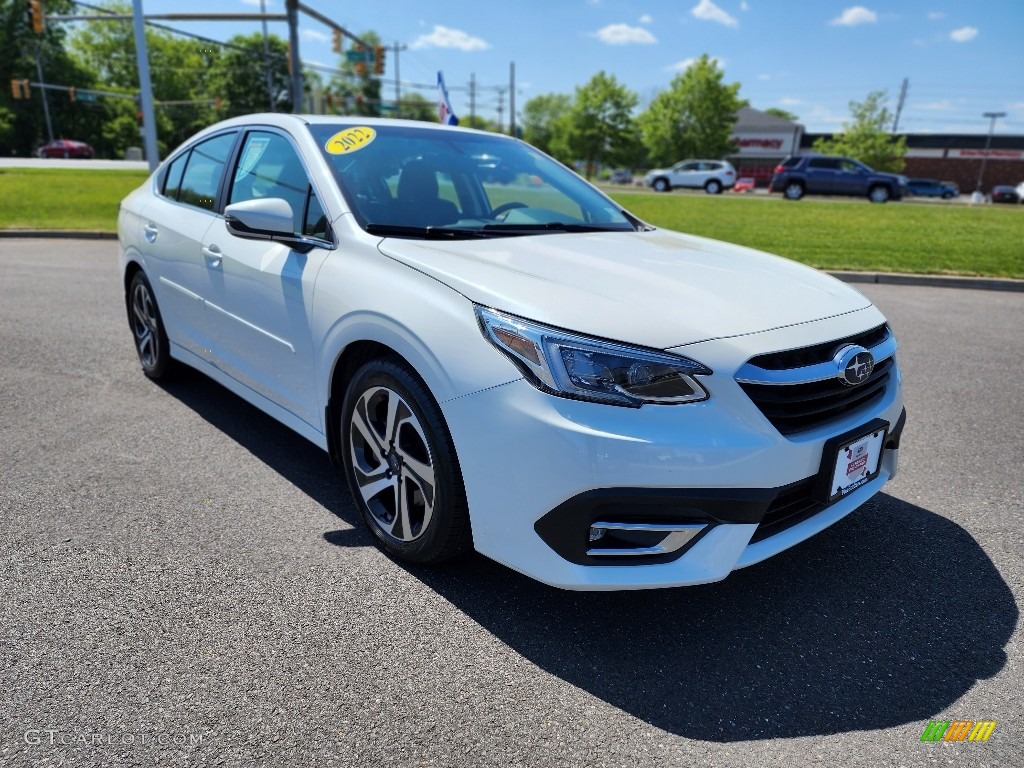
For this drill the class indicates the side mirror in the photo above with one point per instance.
(269, 218)
(261, 219)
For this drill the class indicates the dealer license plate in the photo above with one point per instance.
(856, 463)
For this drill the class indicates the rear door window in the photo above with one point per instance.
(202, 175)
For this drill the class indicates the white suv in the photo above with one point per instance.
(712, 175)
(496, 355)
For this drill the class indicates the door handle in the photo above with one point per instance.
(213, 256)
(150, 232)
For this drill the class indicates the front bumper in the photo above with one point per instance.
(539, 470)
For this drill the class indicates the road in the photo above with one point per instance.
(187, 583)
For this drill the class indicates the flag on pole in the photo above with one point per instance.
(445, 113)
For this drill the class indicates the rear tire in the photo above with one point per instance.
(713, 186)
(148, 328)
(401, 465)
(662, 185)
(793, 191)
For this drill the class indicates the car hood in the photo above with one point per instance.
(657, 289)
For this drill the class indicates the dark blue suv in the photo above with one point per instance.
(801, 175)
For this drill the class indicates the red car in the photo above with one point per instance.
(66, 148)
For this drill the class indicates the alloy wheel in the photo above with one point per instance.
(392, 463)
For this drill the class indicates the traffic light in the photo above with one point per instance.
(336, 45)
(72, 93)
(36, 15)
(20, 89)
(378, 60)
(361, 61)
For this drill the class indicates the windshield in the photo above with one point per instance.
(408, 181)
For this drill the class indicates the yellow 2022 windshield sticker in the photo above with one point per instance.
(350, 140)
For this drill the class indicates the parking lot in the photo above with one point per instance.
(186, 582)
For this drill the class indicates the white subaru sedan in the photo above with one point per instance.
(500, 357)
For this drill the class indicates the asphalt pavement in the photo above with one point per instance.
(186, 582)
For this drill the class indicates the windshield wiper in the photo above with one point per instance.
(428, 233)
(553, 226)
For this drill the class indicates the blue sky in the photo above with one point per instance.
(811, 57)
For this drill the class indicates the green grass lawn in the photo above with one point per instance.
(911, 237)
(43, 198)
(922, 238)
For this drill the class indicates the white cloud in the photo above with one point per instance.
(964, 34)
(623, 34)
(314, 34)
(788, 101)
(706, 10)
(851, 17)
(256, 3)
(646, 19)
(445, 37)
(764, 77)
(744, 6)
(685, 64)
(936, 15)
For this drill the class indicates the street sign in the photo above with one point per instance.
(354, 55)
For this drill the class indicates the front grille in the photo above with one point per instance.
(818, 353)
(795, 408)
(793, 505)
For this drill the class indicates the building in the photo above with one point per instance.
(762, 142)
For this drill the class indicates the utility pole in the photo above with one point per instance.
(501, 107)
(42, 88)
(266, 56)
(899, 104)
(512, 99)
(472, 97)
(295, 64)
(992, 116)
(145, 88)
(398, 80)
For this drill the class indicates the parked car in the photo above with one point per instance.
(1005, 194)
(1020, 191)
(522, 368)
(798, 175)
(66, 148)
(711, 175)
(932, 188)
(744, 184)
(621, 176)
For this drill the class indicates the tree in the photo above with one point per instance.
(599, 126)
(782, 114)
(360, 93)
(866, 138)
(238, 76)
(22, 122)
(694, 117)
(415, 106)
(540, 119)
(179, 69)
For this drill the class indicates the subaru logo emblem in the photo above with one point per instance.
(855, 365)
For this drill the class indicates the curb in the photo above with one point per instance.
(879, 278)
(56, 234)
(933, 281)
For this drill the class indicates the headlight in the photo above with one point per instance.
(574, 366)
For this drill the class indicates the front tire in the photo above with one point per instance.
(148, 328)
(401, 465)
(879, 194)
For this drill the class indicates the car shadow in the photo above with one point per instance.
(885, 619)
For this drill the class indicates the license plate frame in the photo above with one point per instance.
(851, 460)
